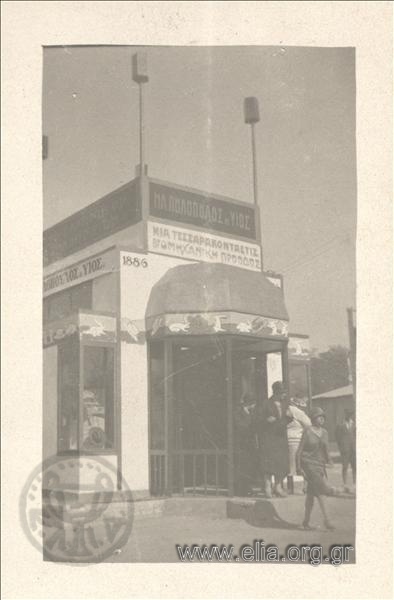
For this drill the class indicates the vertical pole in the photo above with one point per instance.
(352, 344)
(255, 187)
(230, 428)
(140, 76)
(252, 116)
(142, 149)
(142, 174)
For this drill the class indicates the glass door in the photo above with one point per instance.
(199, 417)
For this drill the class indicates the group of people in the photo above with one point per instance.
(279, 440)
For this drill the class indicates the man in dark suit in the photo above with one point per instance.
(346, 440)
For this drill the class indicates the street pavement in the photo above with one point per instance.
(154, 538)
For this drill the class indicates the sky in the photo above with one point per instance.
(196, 137)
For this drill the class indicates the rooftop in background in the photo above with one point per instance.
(347, 390)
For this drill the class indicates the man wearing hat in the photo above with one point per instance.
(312, 457)
(346, 440)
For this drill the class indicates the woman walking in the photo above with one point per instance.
(312, 457)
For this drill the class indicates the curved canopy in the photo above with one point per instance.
(206, 287)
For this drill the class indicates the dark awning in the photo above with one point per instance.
(251, 303)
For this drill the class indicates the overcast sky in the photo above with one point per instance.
(195, 136)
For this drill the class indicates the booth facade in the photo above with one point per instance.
(157, 320)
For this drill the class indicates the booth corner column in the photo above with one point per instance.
(138, 273)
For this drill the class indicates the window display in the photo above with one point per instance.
(68, 394)
(86, 422)
(98, 398)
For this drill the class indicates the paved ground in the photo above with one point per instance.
(154, 538)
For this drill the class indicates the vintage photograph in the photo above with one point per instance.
(199, 305)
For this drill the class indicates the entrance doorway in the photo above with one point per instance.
(196, 388)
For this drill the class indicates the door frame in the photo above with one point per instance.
(169, 451)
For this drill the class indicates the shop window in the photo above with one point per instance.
(86, 421)
(98, 398)
(68, 358)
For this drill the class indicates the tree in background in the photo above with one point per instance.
(330, 369)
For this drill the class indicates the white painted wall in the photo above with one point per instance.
(135, 286)
(134, 399)
(89, 476)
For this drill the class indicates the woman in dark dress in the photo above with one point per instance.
(273, 440)
(312, 457)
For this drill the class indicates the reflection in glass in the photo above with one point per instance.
(68, 391)
(98, 398)
(200, 397)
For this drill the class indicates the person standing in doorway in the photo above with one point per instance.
(273, 440)
(312, 457)
(300, 421)
(245, 444)
(346, 440)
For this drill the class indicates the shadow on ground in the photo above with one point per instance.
(262, 513)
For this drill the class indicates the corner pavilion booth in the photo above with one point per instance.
(158, 318)
(212, 329)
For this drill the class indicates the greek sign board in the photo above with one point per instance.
(201, 210)
(93, 266)
(103, 218)
(201, 246)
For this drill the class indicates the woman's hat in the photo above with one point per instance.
(316, 411)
